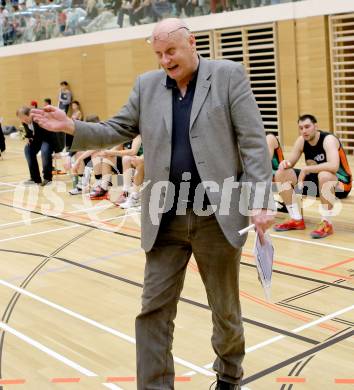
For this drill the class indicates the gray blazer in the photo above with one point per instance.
(226, 135)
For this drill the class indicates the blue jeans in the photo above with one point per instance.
(31, 150)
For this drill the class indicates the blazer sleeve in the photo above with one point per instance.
(121, 128)
(250, 132)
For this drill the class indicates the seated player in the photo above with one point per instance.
(325, 175)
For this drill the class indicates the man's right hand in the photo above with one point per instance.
(53, 119)
(285, 164)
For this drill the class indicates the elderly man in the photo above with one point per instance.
(203, 136)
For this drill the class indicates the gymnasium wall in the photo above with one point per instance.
(100, 76)
(287, 57)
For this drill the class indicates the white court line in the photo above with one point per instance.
(13, 184)
(24, 221)
(71, 227)
(313, 242)
(98, 325)
(50, 352)
(39, 233)
(280, 337)
(2, 191)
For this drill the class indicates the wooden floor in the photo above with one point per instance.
(71, 273)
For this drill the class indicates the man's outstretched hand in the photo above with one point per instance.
(53, 119)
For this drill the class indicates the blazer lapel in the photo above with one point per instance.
(201, 90)
(165, 106)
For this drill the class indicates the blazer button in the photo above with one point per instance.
(167, 169)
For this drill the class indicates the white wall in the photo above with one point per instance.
(300, 9)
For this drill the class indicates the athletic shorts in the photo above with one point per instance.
(119, 166)
(312, 188)
(87, 161)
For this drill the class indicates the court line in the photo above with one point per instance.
(12, 381)
(302, 277)
(280, 337)
(290, 379)
(288, 264)
(345, 381)
(182, 299)
(315, 314)
(10, 184)
(51, 352)
(102, 229)
(71, 227)
(281, 310)
(24, 221)
(313, 242)
(339, 263)
(39, 233)
(305, 293)
(98, 325)
(66, 267)
(297, 357)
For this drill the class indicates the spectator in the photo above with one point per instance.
(127, 7)
(160, 9)
(76, 112)
(41, 140)
(65, 96)
(34, 104)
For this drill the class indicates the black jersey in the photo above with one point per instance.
(316, 155)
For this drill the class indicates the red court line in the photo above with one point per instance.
(287, 264)
(12, 381)
(183, 379)
(289, 379)
(273, 306)
(337, 264)
(285, 311)
(132, 379)
(65, 380)
(114, 379)
(344, 381)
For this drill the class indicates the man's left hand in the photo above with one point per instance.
(263, 220)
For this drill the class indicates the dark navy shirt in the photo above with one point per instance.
(182, 160)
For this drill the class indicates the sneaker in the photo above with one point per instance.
(123, 196)
(325, 229)
(76, 191)
(45, 182)
(130, 202)
(99, 194)
(292, 224)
